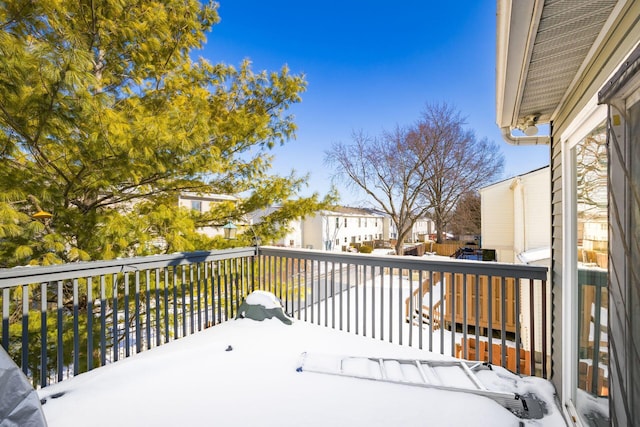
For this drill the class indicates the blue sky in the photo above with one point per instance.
(369, 65)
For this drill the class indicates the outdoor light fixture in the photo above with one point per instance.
(529, 125)
(230, 231)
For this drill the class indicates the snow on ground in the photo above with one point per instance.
(243, 372)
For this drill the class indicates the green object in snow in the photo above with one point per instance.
(259, 313)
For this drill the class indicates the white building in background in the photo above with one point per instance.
(205, 203)
(516, 218)
(421, 231)
(335, 229)
(340, 227)
(515, 221)
(293, 238)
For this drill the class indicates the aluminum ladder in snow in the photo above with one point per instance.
(450, 375)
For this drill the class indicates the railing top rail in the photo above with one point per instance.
(40, 274)
(522, 271)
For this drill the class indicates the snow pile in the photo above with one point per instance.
(244, 372)
(261, 305)
(263, 298)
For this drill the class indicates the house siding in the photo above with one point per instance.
(496, 211)
(556, 264)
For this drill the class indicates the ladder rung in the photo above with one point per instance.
(383, 372)
(422, 375)
(472, 376)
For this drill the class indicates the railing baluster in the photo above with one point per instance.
(421, 305)
(43, 335)
(300, 269)
(165, 292)
(314, 286)
(454, 293)
(364, 304)
(340, 293)
(272, 275)
(138, 332)
(543, 286)
(349, 267)
(192, 320)
(148, 307)
(183, 299)
(5, 318)
(503, 322)
(490, 317)
(103, 321)
(517, 289)
(443, 285)
(235, 283)
(532, 327)
(217, 301)
(400, 322)
(114, 317)
(199, 295)
(478, 317)
(76, 330)
(126, 332)
(333, 294)
(25, 329)
(373, 300)
(89, 323)
(207, 285)
(357, 272)
(158, 320)
(60, 325)
(431, 279)
(465, 318)
(325, 295)
(176, 311)
(410, 307)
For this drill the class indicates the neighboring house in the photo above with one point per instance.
(293, 238)
(204, 203)
(422, 229)
(575, 66)
(515, 217)
(338, 228)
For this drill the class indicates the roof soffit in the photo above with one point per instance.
(564, 38)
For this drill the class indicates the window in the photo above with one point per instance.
(196, 205)
(345, 222)
(337, 222)
(345, 240)
(590, 165)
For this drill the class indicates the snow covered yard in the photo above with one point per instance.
(243, 372)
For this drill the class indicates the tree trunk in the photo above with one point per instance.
(399, 247)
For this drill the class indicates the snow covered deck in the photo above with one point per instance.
(243, 372)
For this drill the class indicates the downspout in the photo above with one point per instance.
(523, 140)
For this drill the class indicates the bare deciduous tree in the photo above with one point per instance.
(466, 218)
(459, 163)
(419, 170)
(390, 170)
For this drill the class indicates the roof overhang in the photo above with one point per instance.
(542, 48)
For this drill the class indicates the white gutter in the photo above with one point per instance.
(523, 140)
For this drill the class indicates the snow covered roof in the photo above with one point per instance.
(243, 372)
